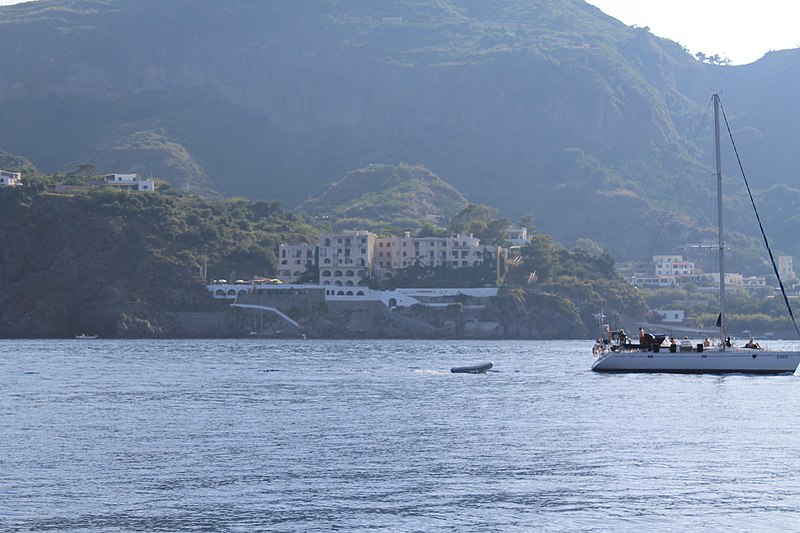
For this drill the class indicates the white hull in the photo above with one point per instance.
(710, 361)
(614, 354)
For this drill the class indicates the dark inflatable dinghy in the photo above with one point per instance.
(472, 369)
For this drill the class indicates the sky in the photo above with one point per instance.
(741, 31)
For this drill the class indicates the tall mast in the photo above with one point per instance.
(723, 327)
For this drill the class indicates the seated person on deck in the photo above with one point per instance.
(686, 345)
(752, 344)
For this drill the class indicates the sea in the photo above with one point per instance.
(363, 435)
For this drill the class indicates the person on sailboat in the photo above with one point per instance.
(752, 344)
(641, 336)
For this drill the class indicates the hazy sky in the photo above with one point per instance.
(741, 31)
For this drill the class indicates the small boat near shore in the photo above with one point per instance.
(85, 336)
(473, 369)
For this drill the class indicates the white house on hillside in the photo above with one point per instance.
(130, 182)
(517, 236)
(672, 265)
(9, 179)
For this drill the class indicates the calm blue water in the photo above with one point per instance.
(247, 435)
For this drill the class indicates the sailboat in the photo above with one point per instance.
(614, 352)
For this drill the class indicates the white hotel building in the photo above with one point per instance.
(349, 258)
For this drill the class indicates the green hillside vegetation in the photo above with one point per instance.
(150, 152)
(116, 263)
(120, 264)
(528, 106)
(553, 292)
(388, 198)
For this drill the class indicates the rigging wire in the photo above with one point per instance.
(760, 226)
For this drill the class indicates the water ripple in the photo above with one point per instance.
(245, 435)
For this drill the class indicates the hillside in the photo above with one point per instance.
(547, 107)
(118, 264)
(393, 197)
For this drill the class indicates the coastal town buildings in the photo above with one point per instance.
(349, 258)
(674, 271)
